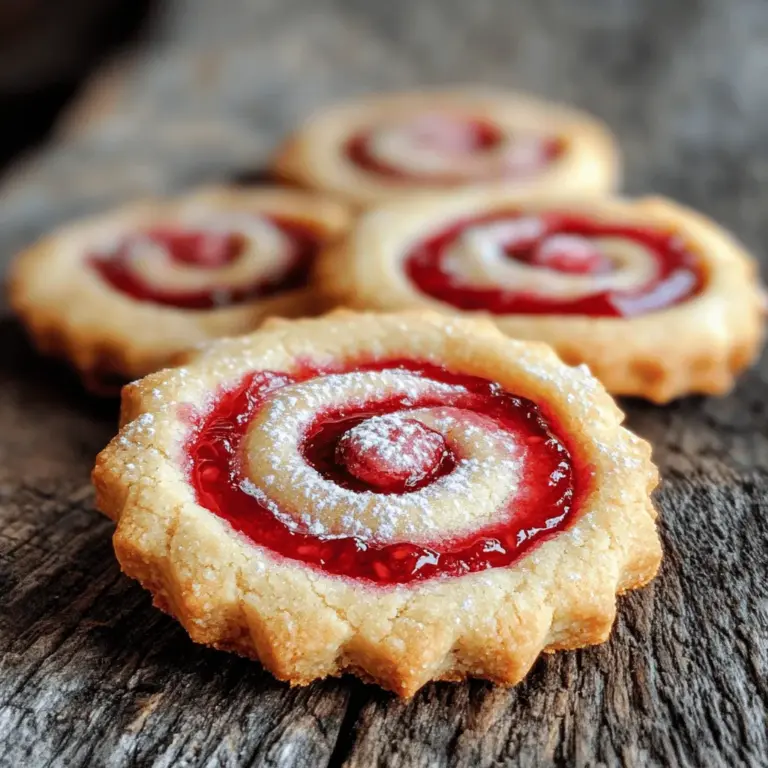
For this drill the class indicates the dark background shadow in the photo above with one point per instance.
(47, 51)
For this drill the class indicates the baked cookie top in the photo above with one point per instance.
(408, 497)
(655, 298)
(381, 148)
(121, 293)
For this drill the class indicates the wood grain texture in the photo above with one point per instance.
(91, 674)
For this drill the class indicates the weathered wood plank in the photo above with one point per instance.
(91, 674)
(680, 683)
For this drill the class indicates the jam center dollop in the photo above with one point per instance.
(391, 453)
(198, 268)
(570, 253)
(567, 264)
(340, 453)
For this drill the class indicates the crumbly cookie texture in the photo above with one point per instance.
(697, 345)
(315, 157)
(303, 623)
(73, 313)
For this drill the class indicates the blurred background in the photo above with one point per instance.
(104, 100)
(47, 49)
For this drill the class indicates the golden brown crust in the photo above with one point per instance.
(304, 624)
(696, 346)
(73, 314)
(312, 157)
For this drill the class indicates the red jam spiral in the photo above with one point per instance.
(563, 243)
(339, 444)
(207, 249)
(453, 137)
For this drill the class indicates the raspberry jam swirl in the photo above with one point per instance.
(388, 473)
(554, 263)
(226, 260)
(443, 148)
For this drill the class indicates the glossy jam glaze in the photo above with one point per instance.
(209, 250)
(679, 275)
(545, 502)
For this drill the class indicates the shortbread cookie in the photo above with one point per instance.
(382, 148)
(407, 497)
(656, 299)
(120, 294)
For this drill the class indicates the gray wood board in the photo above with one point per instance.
(91, 674)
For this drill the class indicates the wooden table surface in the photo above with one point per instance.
(92, 675)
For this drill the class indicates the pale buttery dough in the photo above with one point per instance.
(303, 623)
(73, 313)
(415, 133)
(697, 345)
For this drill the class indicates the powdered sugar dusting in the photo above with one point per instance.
(391, 448)
(487, 472)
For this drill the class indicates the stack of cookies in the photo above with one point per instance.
(431, 480)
